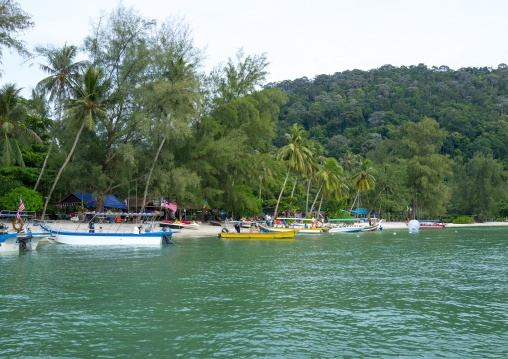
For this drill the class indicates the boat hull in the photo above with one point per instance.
(310, 230)
(372, 228)
(107, 239)
(344, 230)
(266, 229)
(433, 226)
(11, 242)
(110, 239)
(278, 235)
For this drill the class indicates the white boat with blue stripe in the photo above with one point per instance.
(113, 237)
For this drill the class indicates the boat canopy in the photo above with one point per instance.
(362, 211)
(89, 199)
(346, 219)
(125, 214)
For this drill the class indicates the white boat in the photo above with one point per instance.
(180, 225)
(374, 227)
(305, 225)
(266, 229)
(13, 241)
(111, 238)
(347, 229)
(431, 224)
(300, 230)
(188, 225)
(346, 225)
(20, 235)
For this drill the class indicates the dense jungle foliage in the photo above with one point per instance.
(139, 118)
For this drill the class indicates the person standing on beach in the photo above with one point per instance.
(91, 227)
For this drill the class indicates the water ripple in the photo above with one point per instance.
(436, 295)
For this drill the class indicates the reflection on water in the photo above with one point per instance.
(435, 293)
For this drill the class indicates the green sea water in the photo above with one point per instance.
(432, 294)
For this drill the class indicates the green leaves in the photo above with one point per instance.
(13, 20)
(13, 133)
(31, 199)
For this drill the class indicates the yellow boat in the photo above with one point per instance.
(279, 235)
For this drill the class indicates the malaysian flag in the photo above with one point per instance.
(169, 205)
(20, 208)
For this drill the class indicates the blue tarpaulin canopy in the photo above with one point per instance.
(360, 211)
(88, 199)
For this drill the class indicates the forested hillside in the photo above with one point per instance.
(355, 110)
(370, 112)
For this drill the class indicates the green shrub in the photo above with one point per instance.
(463, 220)
(31, 199)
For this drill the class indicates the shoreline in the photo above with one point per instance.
(207, 230)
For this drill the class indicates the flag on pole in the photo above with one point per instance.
(21, 207)
(169, 205)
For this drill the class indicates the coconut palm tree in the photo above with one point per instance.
(331, 181)
(317, 158)
(89, 102)
(262, 164)
(12, 133)
(63, 73)
(295, 153)
(363, 180)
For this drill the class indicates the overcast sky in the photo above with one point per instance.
(301, 38)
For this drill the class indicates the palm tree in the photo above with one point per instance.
(12, 132)
(295, 153)
(330, 177)
(317, 158)
(349, 161)
(175, 100)
(262, 164)
(89, 101)
(363, 180)
(63, 73)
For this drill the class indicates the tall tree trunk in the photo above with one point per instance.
(315, 199)
(50, 146)
(260, 184)
(280, 195)
(294, 186)
(150, 174)
(320, 203)
(308, 192)
(44, 164)
(354, 202)
(62, 168)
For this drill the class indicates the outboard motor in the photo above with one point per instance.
(25, 242)
(166, 236)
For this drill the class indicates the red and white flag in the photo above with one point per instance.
(169, 205)
(20, 208)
